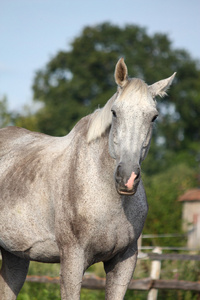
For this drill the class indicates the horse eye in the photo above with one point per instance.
(114, 113)
(154, 118)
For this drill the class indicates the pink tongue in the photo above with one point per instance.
(130, 182)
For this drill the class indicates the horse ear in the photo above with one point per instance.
(159, 88)
(121, 73)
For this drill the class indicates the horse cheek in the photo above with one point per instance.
(112, 151)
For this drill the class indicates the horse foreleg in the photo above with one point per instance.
(119, 271)
(12, 275)
(72, 268)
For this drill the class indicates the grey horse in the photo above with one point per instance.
(78, 199)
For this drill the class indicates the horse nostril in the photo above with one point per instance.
(137, 173)
(119, 177)
(118, 171)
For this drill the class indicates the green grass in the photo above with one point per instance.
(50, 291)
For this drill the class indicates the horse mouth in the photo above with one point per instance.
(123, 190)
(126, 193)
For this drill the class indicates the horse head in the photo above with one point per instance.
(133, 114)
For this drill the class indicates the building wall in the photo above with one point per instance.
(191, 222)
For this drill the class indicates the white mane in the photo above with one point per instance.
(100, 120)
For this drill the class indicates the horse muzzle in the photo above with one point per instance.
(127, 181)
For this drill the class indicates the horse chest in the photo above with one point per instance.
(110, 237)
(123, 234)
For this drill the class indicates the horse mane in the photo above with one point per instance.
(100, 120)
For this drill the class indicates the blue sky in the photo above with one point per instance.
(33, 31)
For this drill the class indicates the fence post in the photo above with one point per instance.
(155, 274)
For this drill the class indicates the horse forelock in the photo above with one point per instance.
(101, 119)
(134, 85)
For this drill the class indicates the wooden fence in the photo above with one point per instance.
(95, 283)
(145, 284)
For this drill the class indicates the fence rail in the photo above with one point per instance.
(173, 256)
(145, 284)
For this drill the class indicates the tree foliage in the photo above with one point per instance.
(6, 117)
(165, 212)
(77, 81)
(27, 119)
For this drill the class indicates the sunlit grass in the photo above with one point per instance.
(50, 291)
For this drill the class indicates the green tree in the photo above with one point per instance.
(6, 117)
(165, 212)
(77, 81)
(27, 119)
